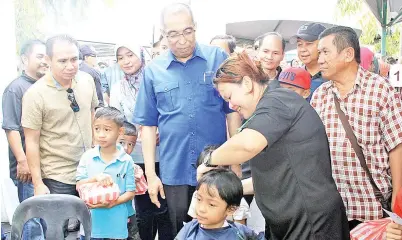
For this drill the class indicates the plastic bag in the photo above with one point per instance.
(141, 185)
(93, 193)
(398, 204)
(370, 230)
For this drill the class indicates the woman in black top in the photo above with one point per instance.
(290, 162)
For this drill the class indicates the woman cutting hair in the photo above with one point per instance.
(290, 162)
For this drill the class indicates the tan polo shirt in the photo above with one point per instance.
(64, 135)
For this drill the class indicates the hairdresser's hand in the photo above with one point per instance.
(155, 187)
(202, 169)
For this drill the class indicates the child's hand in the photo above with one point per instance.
(103, 205)
(394, 231)
(98, 205)
(104, 179)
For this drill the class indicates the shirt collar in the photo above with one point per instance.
(51, 82)
(122, 157)
(28, 78)
(317, 75)
(172, 58)
(361, 74)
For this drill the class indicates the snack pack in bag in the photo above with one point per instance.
(398, 204)
(370, 230)
(141, 185)
(94, 193)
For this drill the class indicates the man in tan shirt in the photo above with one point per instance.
(57, 117)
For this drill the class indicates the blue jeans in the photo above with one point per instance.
(35, 228)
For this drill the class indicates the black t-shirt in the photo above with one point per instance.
(293, 185)
(12, 110)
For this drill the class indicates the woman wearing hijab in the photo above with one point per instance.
(123, 96)
(368, 61)
(287, 146)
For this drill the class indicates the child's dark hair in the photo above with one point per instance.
(205, 152)
(110, 113)
(226, 182)
(129, 129)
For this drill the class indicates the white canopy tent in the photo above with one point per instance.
(252, 29)
(388, 13)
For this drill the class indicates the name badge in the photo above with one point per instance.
(395, 75)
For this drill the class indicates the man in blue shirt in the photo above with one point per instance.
(307, 44)
(178, 97)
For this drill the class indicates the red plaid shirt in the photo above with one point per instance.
(374, 110)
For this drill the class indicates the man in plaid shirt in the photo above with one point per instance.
(373, 109)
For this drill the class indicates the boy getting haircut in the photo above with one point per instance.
(222, 186)
(226, 182)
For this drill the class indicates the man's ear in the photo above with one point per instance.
(24, 60)
(349, 54)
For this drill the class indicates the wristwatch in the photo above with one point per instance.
(207, 160)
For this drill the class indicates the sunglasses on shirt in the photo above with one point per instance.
(70, 96)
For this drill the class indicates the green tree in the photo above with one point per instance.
(27, 17)
(371, 28)
(29, 14)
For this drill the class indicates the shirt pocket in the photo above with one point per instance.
(167, 96)
(209, 95)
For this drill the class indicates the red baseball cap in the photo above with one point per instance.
(297, 77)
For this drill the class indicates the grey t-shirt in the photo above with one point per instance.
(292, 178)
(12, 110)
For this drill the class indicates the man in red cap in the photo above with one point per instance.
(297, 80)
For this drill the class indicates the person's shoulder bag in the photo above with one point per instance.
(384, 200)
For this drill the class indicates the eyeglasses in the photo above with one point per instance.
(70, 96)
(175, 36)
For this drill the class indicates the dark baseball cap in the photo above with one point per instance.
(308, 32)
(86, 50)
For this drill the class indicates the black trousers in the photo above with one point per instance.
(150, 218)
(178, 201)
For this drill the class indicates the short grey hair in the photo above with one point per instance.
(176, 8)
(230, 40)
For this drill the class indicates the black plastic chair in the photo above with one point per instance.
(55, 209)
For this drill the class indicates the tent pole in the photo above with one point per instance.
(384, 27)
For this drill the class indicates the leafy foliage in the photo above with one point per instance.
(371, 28)
(29, 14)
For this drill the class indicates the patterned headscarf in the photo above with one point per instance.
(366, 58)
(130, 84)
